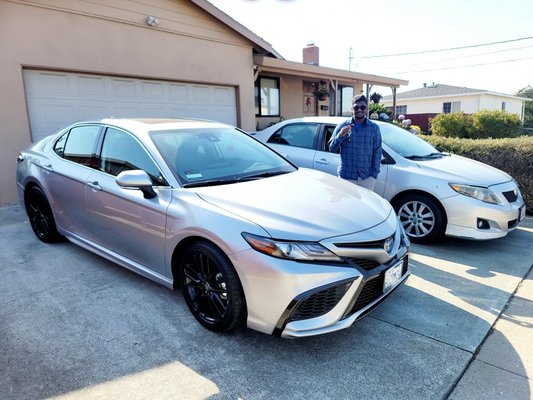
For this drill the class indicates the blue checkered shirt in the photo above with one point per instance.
(360, 150)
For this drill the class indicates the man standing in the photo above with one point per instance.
(359, 141)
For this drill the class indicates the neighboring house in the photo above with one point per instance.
(65, 61)
(420, 105)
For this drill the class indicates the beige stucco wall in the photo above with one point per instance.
(98, 37)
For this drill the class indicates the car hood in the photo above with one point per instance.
(464, 170)
(303, 205)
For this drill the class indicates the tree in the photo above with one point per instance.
(528, 112)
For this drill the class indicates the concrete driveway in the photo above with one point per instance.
(75, 326)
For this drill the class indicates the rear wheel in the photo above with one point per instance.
(211, 288)
(421, 217)
(41, 217)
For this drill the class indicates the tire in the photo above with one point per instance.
(40, 215)
(211, 288)
(421, 217)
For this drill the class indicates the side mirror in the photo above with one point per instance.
(136, 179)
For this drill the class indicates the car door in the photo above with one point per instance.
(123, 220)
(328, 162)
(296, 142)
(66, 176)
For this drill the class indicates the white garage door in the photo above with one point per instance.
(57, 99)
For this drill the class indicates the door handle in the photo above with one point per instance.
(322, 161)
(94, 185)
(47, 167)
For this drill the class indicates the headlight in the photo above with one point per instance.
(298, 251)
(476, 192)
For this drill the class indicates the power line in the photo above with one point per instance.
(462, 66)
(460, 58)
(449, 49)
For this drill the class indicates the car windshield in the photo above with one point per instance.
(405, 143)
(214, 156)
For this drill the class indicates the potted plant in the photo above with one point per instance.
(321, 91)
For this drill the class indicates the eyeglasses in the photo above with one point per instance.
(362, 108)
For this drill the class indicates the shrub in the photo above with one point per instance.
(512, 155)
(481, 125)
(457, 125)
(495, 124)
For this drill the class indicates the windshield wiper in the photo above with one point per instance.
(210, 182)
(261, 175)
(415, 157)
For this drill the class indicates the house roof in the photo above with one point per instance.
(440, 90)
(269, 64)
(268, 59)
(261, 46)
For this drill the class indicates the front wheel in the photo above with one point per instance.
(421, 217)
(41, 217)
(211, 288)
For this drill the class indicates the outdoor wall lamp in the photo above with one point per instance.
(152, 21)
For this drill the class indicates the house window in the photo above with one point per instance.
(401, 110)
(503, 105)
(451, 106)
(267, 97)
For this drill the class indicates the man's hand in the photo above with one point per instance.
(345, 131)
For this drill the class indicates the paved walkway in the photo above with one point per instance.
(503, 367)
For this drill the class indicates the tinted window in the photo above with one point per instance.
(122, 152)
(79, 145)
(299, 135)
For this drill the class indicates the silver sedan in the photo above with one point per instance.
(248, 237)
(434, 193)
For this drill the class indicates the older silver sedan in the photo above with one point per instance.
(434, 193)
(250, 238)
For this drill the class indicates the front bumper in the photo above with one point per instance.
(294, 299)
(352, 300)
(473, 219)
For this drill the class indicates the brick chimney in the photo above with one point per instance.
(310, 54)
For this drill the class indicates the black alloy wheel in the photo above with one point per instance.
(211, 288)
(40, 215)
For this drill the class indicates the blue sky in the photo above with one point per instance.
(387, 27)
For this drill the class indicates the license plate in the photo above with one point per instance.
(392, 276)
(521, 213)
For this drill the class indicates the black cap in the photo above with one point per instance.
(359, 98)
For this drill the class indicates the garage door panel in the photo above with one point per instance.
(153, 90)
(91, 86)
(178, 92)
(56, 99)
(123, 88)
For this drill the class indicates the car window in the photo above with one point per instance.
(299, 135)
(79, 145)
(203, 154)
(404, 142)
(122, 152)
(328, 133)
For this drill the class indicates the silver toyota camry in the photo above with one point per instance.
(248, 237)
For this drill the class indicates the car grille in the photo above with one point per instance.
(319, 303)
(367, 265)
(511, 196)
(373, 289)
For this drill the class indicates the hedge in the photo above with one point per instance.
(512, 155)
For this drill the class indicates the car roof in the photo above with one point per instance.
(153, 124)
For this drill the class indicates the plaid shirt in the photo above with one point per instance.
(360, 150)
